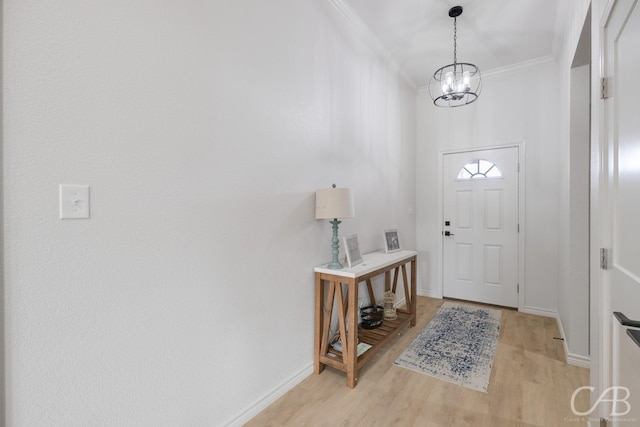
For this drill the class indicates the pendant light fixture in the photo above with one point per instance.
(456, 84)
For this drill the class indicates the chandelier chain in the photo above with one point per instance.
(455, 40)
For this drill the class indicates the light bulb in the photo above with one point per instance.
(447, 84)
(459, 84)
(466, 81)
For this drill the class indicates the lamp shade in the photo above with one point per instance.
(334, 203)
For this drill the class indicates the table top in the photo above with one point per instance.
(370, 262)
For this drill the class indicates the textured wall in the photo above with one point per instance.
(203, 129)
(573, 195)
(514, 106)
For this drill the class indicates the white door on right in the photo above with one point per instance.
(622, 207)
(480, 230)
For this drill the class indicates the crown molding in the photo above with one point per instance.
(506, 69)
(518, 66)
(367, 35)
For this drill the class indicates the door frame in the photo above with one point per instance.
(521, 212)
(601, 333)
(599, 305)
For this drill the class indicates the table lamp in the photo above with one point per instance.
(333, 203)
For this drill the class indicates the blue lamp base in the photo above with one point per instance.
(335, 264)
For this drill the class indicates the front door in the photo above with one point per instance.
(480, 230)
(621, 207)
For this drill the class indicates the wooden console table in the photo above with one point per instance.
(373, 264)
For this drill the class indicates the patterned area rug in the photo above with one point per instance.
(457, 345)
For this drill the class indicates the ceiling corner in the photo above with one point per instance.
(562, 14)
(354, 20)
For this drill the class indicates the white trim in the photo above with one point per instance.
(522, 235)
(369, 37)
(507, 69)
(518, 66)
(539, 312)
(270, 397)
(440, 252)
(579, 361)
(427, 293)
(521, 214)
(564, 338)
(599, 334)
(606, 14)
(571, 358)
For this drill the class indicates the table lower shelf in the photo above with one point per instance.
(376, 338)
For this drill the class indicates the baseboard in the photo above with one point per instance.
(539, 312)
(430, 294)
(572, 359)
(270, 397)
(577, 360)
(279, 391)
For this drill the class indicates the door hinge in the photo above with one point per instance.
(518, 228)
(518, 167)
(604, 258)
(518, 288)
(604, 88)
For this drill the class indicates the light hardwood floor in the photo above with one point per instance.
(530, 385)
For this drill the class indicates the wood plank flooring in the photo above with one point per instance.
(530, 385)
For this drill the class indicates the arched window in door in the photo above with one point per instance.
(479, 169)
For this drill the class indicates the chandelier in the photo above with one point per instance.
(456, 84)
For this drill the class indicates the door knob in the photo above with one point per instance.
(448, 233)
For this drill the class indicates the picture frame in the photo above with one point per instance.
(391, 241)
(352, 250)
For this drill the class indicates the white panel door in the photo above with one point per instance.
(480, 230)
(621, 204)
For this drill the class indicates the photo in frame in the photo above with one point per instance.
(391, 241)
(352, 250)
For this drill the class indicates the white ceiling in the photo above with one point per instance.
(418, 34)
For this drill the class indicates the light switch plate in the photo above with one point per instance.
(74, 201)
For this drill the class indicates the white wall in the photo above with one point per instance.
(518, 104)
(573, 293)
(203, 129)
(573, 201)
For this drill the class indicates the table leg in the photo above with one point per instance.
(395, 280)
(352, 315)
(317, 366)
(344, 334)
(414, 300)
(372, 297)
(408, 296)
